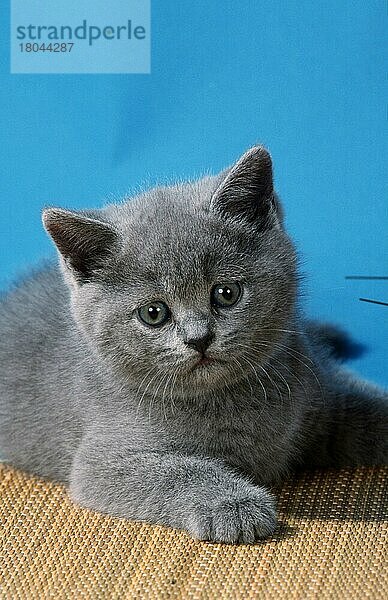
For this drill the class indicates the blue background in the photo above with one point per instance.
(305, 78)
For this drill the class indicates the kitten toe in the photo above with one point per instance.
(235, 520)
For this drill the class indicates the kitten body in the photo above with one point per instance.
(186, 422)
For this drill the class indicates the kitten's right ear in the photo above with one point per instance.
(246, 191)
(83, 243)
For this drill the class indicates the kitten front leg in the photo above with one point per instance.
(200, 495)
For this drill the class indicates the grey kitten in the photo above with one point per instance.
(165, 372)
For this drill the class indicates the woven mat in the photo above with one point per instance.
(331, 543)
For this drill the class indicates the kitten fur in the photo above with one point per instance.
(126, 414)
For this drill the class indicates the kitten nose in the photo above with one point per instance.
(201, 344)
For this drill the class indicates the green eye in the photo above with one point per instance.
(154, 314)
(225, 294)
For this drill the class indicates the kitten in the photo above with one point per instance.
(165, 371)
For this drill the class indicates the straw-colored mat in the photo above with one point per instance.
(332, 543)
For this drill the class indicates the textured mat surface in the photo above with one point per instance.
(332, 543)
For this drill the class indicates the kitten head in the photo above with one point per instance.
(183, 289)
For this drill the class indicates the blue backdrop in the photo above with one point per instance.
(305, 78)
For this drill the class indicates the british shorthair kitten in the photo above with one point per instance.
(164, 370)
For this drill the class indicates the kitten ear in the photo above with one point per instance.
(82, 242)
(246, 192)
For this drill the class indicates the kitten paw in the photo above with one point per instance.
(231, 519)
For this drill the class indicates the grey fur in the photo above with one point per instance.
(92, 397)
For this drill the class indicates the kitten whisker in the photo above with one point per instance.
(292, 373)
(284, 330)
(176, 372)
(275, 384)
(257, 376)
(245, 378)
(285, 349)
(268, 364)
(294, 351)
(153, 397)
(147, 387)
(266, 373)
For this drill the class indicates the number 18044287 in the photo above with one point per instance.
(56, 47)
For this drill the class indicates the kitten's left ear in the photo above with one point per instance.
(247, 191)
(83, 243)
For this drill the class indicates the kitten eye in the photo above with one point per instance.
(225, 294)
(154, 314)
